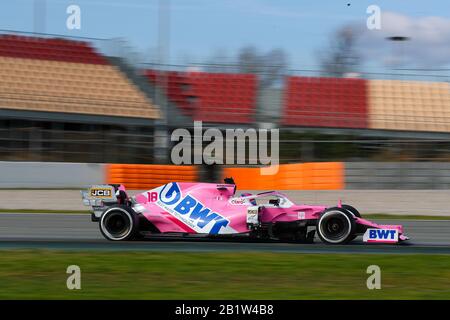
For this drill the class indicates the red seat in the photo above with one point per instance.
(325, 102)
(219, 97)
(49, 49)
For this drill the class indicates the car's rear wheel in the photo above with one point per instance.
(336, 226)
(119, 223)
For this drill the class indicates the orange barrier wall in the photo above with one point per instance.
(301, 176)
(147, 176)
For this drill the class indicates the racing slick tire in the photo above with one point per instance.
(119, 223)
(355, 213)
(352, 210)
(336, 226)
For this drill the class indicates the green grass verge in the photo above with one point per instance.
(367, 216)
(40, 274)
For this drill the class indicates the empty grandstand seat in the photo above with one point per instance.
(177, 87)
(325, 102)
(58, 75)
(409, 105)
(211, 97)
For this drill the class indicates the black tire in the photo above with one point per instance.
(336, 226)
(352, 210)
(355, 213)
(119, 223)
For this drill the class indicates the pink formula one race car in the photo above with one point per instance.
(213, 210)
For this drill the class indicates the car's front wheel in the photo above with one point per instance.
(352, 210)
(336, 226)
(356, 213)
(119, 223)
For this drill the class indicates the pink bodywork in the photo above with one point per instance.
(215, 209)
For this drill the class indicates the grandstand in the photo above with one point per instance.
(62, 100)
(67, 82)
(313, 102)
(212, 97)
(409, 105)
(58, 75)
(325, 102)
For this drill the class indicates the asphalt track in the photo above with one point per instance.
(77, 232)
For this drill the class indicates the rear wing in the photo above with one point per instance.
(99, 197)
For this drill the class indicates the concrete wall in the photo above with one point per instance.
(400, 202)
(397, 175)
(270, 103)
(358, 175)
(49, 174)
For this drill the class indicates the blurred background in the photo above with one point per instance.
(90, 91)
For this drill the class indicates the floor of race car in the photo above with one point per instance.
(76, 231)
